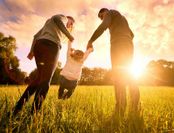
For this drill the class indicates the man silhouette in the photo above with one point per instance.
(121, 50)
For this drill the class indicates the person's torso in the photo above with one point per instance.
(72, 69)
(119, 28)
(51, 31)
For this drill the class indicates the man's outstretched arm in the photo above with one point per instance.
(101, 28)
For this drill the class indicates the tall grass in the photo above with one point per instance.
(89, 110)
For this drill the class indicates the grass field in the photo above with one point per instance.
(89, 110)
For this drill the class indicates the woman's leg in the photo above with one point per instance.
(47, 65)
(24, 98)
(31, 89)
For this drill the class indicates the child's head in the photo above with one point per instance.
(77, 55)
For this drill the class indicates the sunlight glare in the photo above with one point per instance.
(138, 67)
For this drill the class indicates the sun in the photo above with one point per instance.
(138, 67)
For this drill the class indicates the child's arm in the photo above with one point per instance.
(88, 51)
(69, 48)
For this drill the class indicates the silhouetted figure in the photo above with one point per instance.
(72, 70)
(121, 50)
(45, 49)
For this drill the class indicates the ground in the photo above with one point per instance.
(89, 110)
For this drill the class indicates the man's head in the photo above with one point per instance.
(102, 13)
(70, 22)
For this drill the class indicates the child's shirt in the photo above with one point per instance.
(73, 69)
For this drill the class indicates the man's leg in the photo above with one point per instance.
(120, 84)
(133, 92)
(121, 57)
(134, 96)
(120, 96)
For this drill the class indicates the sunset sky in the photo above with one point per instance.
(150, 20)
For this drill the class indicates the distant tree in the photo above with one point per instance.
(99, 75)
(86, 77)
(93, 76)
(108, 77)
(160, 72)
(9, 63)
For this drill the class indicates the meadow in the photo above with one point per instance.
(89, 110)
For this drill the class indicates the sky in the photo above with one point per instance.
(150, 20)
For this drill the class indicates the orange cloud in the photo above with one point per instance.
(151, 22)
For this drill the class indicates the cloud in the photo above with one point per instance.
(23, 29)
(151, 22)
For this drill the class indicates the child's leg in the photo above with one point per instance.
(69, 93)
(60, 93)
(61, 87)
(71, 87)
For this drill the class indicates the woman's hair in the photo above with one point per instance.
(70, 17)
(77, 55)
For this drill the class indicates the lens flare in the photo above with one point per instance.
(138, 67)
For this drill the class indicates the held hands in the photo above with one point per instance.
(89, 45)
(70, 42)
(72, 49)
(30, 55)
(71, 39)
(91, 49)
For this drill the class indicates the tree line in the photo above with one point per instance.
(160, 72)
(9, 63)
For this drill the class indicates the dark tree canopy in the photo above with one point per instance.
(9, 63)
